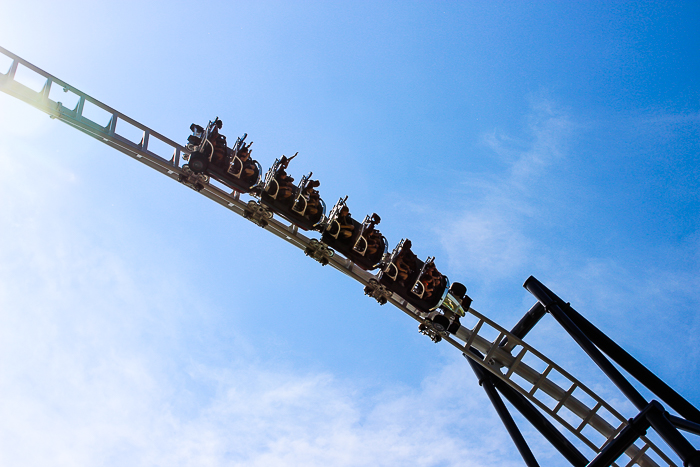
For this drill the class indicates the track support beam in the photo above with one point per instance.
(525, 325)
(651, 413)
(486, 382)
(532, 415)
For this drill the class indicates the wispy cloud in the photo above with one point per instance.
(283, 419)
(488, 235)
(503, 232)
(96, 369)
(85, 381)
(82, 387)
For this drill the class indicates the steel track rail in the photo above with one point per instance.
(500, 362)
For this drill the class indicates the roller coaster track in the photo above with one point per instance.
(506, 362)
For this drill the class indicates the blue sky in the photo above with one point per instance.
(143, 324)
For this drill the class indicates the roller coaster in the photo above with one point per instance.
(505, 366)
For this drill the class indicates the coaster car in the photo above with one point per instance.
(422, 285)
(211, 157)
(416, 281)
(444, 320)
(300, 205)
(362, 243)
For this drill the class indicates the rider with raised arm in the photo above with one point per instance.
(218, 143)
(285, 182)
(244, 156)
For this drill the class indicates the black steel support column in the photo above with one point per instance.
(485, 381)
(536, 419)
(551, 303)
(665, 425)
(633, 367)
(637, 427)
(525, 325)
(685, 425)
(544, 426)
(670, 434)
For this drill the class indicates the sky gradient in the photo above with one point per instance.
(142, 324)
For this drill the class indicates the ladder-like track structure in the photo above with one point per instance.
(500, 361)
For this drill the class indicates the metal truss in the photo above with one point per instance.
(500, 363)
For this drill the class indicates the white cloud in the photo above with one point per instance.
(77, 393)
(275, 418)
(96, 367)
(484, 241)
(80, 388)
(83, 380)
(489, 235)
